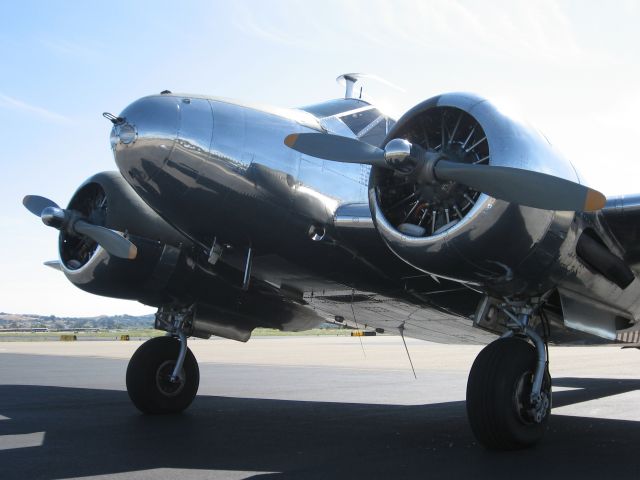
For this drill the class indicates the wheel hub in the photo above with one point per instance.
(164, 382)
(529, 411)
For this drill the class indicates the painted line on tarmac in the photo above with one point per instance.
(26, 440)
(195, 474)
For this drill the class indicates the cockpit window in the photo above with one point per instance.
(359, 120)
(377, 132)
(363, 119)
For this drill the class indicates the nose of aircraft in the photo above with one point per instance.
(143, 137)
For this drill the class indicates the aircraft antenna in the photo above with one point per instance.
(350, 79)
(401, 329)
(356, 322)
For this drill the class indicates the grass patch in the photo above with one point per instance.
(315, 332)
(100, 335)
(150, 332)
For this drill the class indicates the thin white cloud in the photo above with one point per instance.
(246, 22)
(542, 31)
(284, 28)
(538, 30)
(13, 103)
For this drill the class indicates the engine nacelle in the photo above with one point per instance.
(450, 230)
(166, 272)
(153, 277)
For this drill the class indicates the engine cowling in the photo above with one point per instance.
(166, 272)
(450, 230)
(106, 199)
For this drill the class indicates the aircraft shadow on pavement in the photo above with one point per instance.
(97, 432)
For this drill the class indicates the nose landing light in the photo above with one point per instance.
(122, 131)
(126, 133)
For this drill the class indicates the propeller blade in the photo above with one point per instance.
(54, 216)
(524, 187)
(36, 204)
(55, 264)
(337, 148)
(111, 241)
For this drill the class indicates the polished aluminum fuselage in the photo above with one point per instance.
(222, 173)
(219, 172)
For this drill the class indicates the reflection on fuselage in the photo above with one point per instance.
(217, 169)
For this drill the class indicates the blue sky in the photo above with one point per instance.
(570, 67)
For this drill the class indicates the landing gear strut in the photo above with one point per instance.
(163, 374)
(509, 388)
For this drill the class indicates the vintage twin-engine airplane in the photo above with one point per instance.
(229, 216)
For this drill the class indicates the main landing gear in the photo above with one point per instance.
(509, 388)
(163, 374)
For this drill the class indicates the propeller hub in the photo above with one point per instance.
(53, 217)
(397, 154)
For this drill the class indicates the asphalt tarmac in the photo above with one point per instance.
(304, 407)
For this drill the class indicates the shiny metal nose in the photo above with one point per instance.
(143, 142)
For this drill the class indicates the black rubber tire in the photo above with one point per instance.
(149, 365)
(491, 395)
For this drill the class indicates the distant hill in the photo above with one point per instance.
(106, 322)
